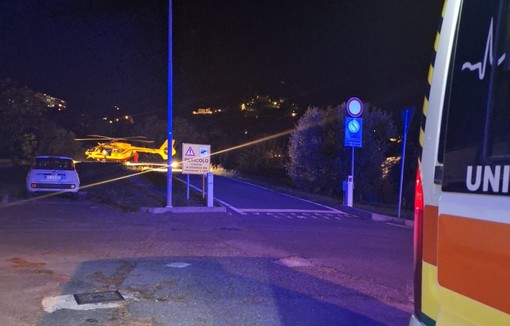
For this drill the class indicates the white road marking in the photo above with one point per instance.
(245, 211)
(301, 199)
(178, 265)
(400, 225)
(291, 211)
(294, 262)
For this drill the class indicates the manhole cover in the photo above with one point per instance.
(97, 297)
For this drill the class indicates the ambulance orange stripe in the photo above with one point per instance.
(430, 214)
(474, 259)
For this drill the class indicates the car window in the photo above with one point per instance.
(53, 164)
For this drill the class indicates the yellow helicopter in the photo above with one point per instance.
(120, 150)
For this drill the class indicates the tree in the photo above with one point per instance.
(314, 152)
(378, 128)
(54, 140)
(20, 117)
(153, 128)
(266, 158)
(318, 160)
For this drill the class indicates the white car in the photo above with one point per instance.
(53, 174)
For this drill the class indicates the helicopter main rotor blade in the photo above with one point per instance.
(141, 139)
(95, 137)
(86, 139)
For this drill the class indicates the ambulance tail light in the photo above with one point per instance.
(418, 241)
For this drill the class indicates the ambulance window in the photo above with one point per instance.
(471, 91)
(498, 133)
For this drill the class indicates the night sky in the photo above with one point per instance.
(99, 53)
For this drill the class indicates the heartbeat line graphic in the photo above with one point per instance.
(488, 55)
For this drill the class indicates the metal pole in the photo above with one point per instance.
(403, 161)
(352, 164)
(203, 186)
(170, 100)
(187, 187)
(210, 189)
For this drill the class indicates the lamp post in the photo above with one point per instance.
(407, 115)
(170, 99)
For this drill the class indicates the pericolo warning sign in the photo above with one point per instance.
(196, 158)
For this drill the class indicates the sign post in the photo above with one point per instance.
(407, 116)
(352, 137)
(196, 159)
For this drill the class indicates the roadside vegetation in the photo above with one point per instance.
(307, 158)
(145, 190)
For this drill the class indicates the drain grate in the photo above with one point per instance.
(97, 297)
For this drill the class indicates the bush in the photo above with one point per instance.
(319, 162)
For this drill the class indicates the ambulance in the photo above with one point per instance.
(462, 202)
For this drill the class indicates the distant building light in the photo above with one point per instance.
(204, 111)
(50, 101)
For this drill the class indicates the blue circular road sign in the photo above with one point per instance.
(354, 107)
(354, 126)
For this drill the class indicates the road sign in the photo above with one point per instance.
(353, 132)
(354, 107)
(196, 158)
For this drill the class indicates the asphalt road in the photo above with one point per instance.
(385, 245)
(243, 197)
(270, 264)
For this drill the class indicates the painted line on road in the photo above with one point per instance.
(221, 202)
(400, 225)
(287, 195)
(229, 206)
(244, 211)
(292, 211)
